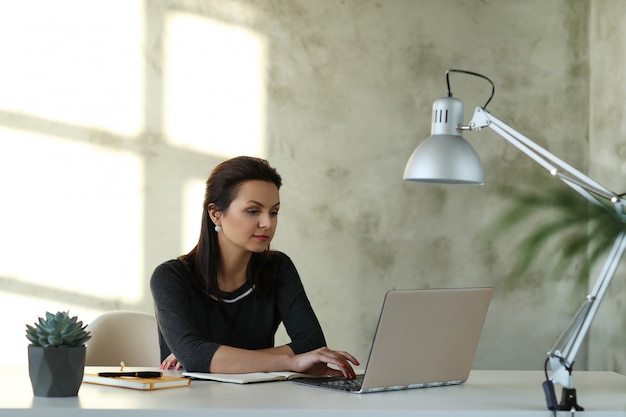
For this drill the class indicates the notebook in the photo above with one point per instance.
(424, 338)
(144, 384)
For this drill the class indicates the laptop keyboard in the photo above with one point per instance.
(352, 384)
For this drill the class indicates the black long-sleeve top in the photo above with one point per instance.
(193, 325)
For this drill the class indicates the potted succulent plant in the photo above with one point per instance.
(56, 355)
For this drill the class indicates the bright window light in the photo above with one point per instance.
(74, 63)
(214, 86)
(193, 197)
(81, 148)
(72, 216)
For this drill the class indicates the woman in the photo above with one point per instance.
(219, 306)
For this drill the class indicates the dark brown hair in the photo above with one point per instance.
(221, 189)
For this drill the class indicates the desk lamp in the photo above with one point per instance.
(446, 157)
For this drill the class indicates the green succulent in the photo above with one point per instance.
(58, 330)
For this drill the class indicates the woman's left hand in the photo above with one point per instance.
(316, 363)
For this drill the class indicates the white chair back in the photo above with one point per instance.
(121, 335)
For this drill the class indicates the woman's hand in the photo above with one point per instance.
(171, 362)
(316, 363)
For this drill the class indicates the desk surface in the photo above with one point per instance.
(486, 393)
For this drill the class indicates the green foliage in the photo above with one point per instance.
(58, 330)
(561, 218)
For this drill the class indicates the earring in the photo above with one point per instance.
(218, 228)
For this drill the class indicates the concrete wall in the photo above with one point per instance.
(607, 157)
(346, 94)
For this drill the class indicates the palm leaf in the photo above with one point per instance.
(576, 232)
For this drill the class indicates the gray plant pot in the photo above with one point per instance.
(56, 372)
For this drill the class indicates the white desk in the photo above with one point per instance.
(486, 393)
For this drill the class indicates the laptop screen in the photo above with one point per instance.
(426, 337)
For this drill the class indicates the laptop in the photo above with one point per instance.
(424, 338)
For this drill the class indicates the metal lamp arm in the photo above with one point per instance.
(582, 183)
(564, 352)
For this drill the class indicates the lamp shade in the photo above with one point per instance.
(447, 159)
(445, 156)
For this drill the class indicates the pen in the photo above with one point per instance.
(140, 374)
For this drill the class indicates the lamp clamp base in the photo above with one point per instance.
(569, 401)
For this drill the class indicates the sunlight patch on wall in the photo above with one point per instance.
(193, 197)
(214, 86)
(74, 62)
(72, 217)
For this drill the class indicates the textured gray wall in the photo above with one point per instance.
(346, 121)
(349, 87)
(607, 150)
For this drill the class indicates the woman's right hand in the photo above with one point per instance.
(171, 362)
(316, 362)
